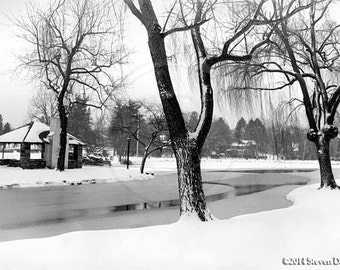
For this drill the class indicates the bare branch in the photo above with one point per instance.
(135, 11)
(184, 28)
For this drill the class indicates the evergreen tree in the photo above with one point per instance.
(261, 136)
(7, 128)
(239, 130)
(125, 119)
(1, 125)
(219, 138)
(192, 121)
(79, 121)
(336, 149)
(250, 130)
(101, 135)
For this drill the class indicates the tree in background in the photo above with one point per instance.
(74, 48)
(250, 130)
(288, 141)
(276, 124)
(142, 123)
(154, 136)
(101, 128)
(125, 121)
(1, 124)
(219, 138)
(286, 137)
(43, 105)
(261, 136)
(79, 121)
(7, 128)
(4, 128)
(192, 120)
(335, 147)
(256, 131)
(239, 131)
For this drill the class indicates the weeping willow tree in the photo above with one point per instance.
(302, 56)
(203, 19)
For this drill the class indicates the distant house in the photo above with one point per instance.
(243, 149)
(36, 145)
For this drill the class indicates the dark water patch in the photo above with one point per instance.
(169, 203)
(249, 189)
(268, 170)
(253, 188)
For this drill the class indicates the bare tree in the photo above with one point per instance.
(154, 136)
(194, 16)
(303, 53)
(74, 48)
(42, 106)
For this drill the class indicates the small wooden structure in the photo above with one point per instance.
(36, 145)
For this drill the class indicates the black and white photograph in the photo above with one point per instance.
(169, 134)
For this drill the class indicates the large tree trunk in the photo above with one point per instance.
(326, 172)
(321, 140)
(186, 152)
(63, 137)
(187, 149)
(191, 194)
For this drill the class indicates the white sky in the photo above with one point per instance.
(16, 90)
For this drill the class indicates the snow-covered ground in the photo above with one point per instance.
(169, 164)
(306, 233)
(158, 165)
(17, 177)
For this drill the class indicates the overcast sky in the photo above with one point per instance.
(13, 91)
(16, 90)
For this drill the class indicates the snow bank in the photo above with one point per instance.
(169, 164)
(17, 177)
(306, 233)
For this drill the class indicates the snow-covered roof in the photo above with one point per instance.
(36, 129)
(244, 143)
(28, 133)
(31, 133)
(15, 136)
(74, 140)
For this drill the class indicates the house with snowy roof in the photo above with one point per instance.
(243, 149)
(36, 145)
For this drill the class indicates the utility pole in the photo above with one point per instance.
(137, 140)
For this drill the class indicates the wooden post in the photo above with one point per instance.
(42, 151)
